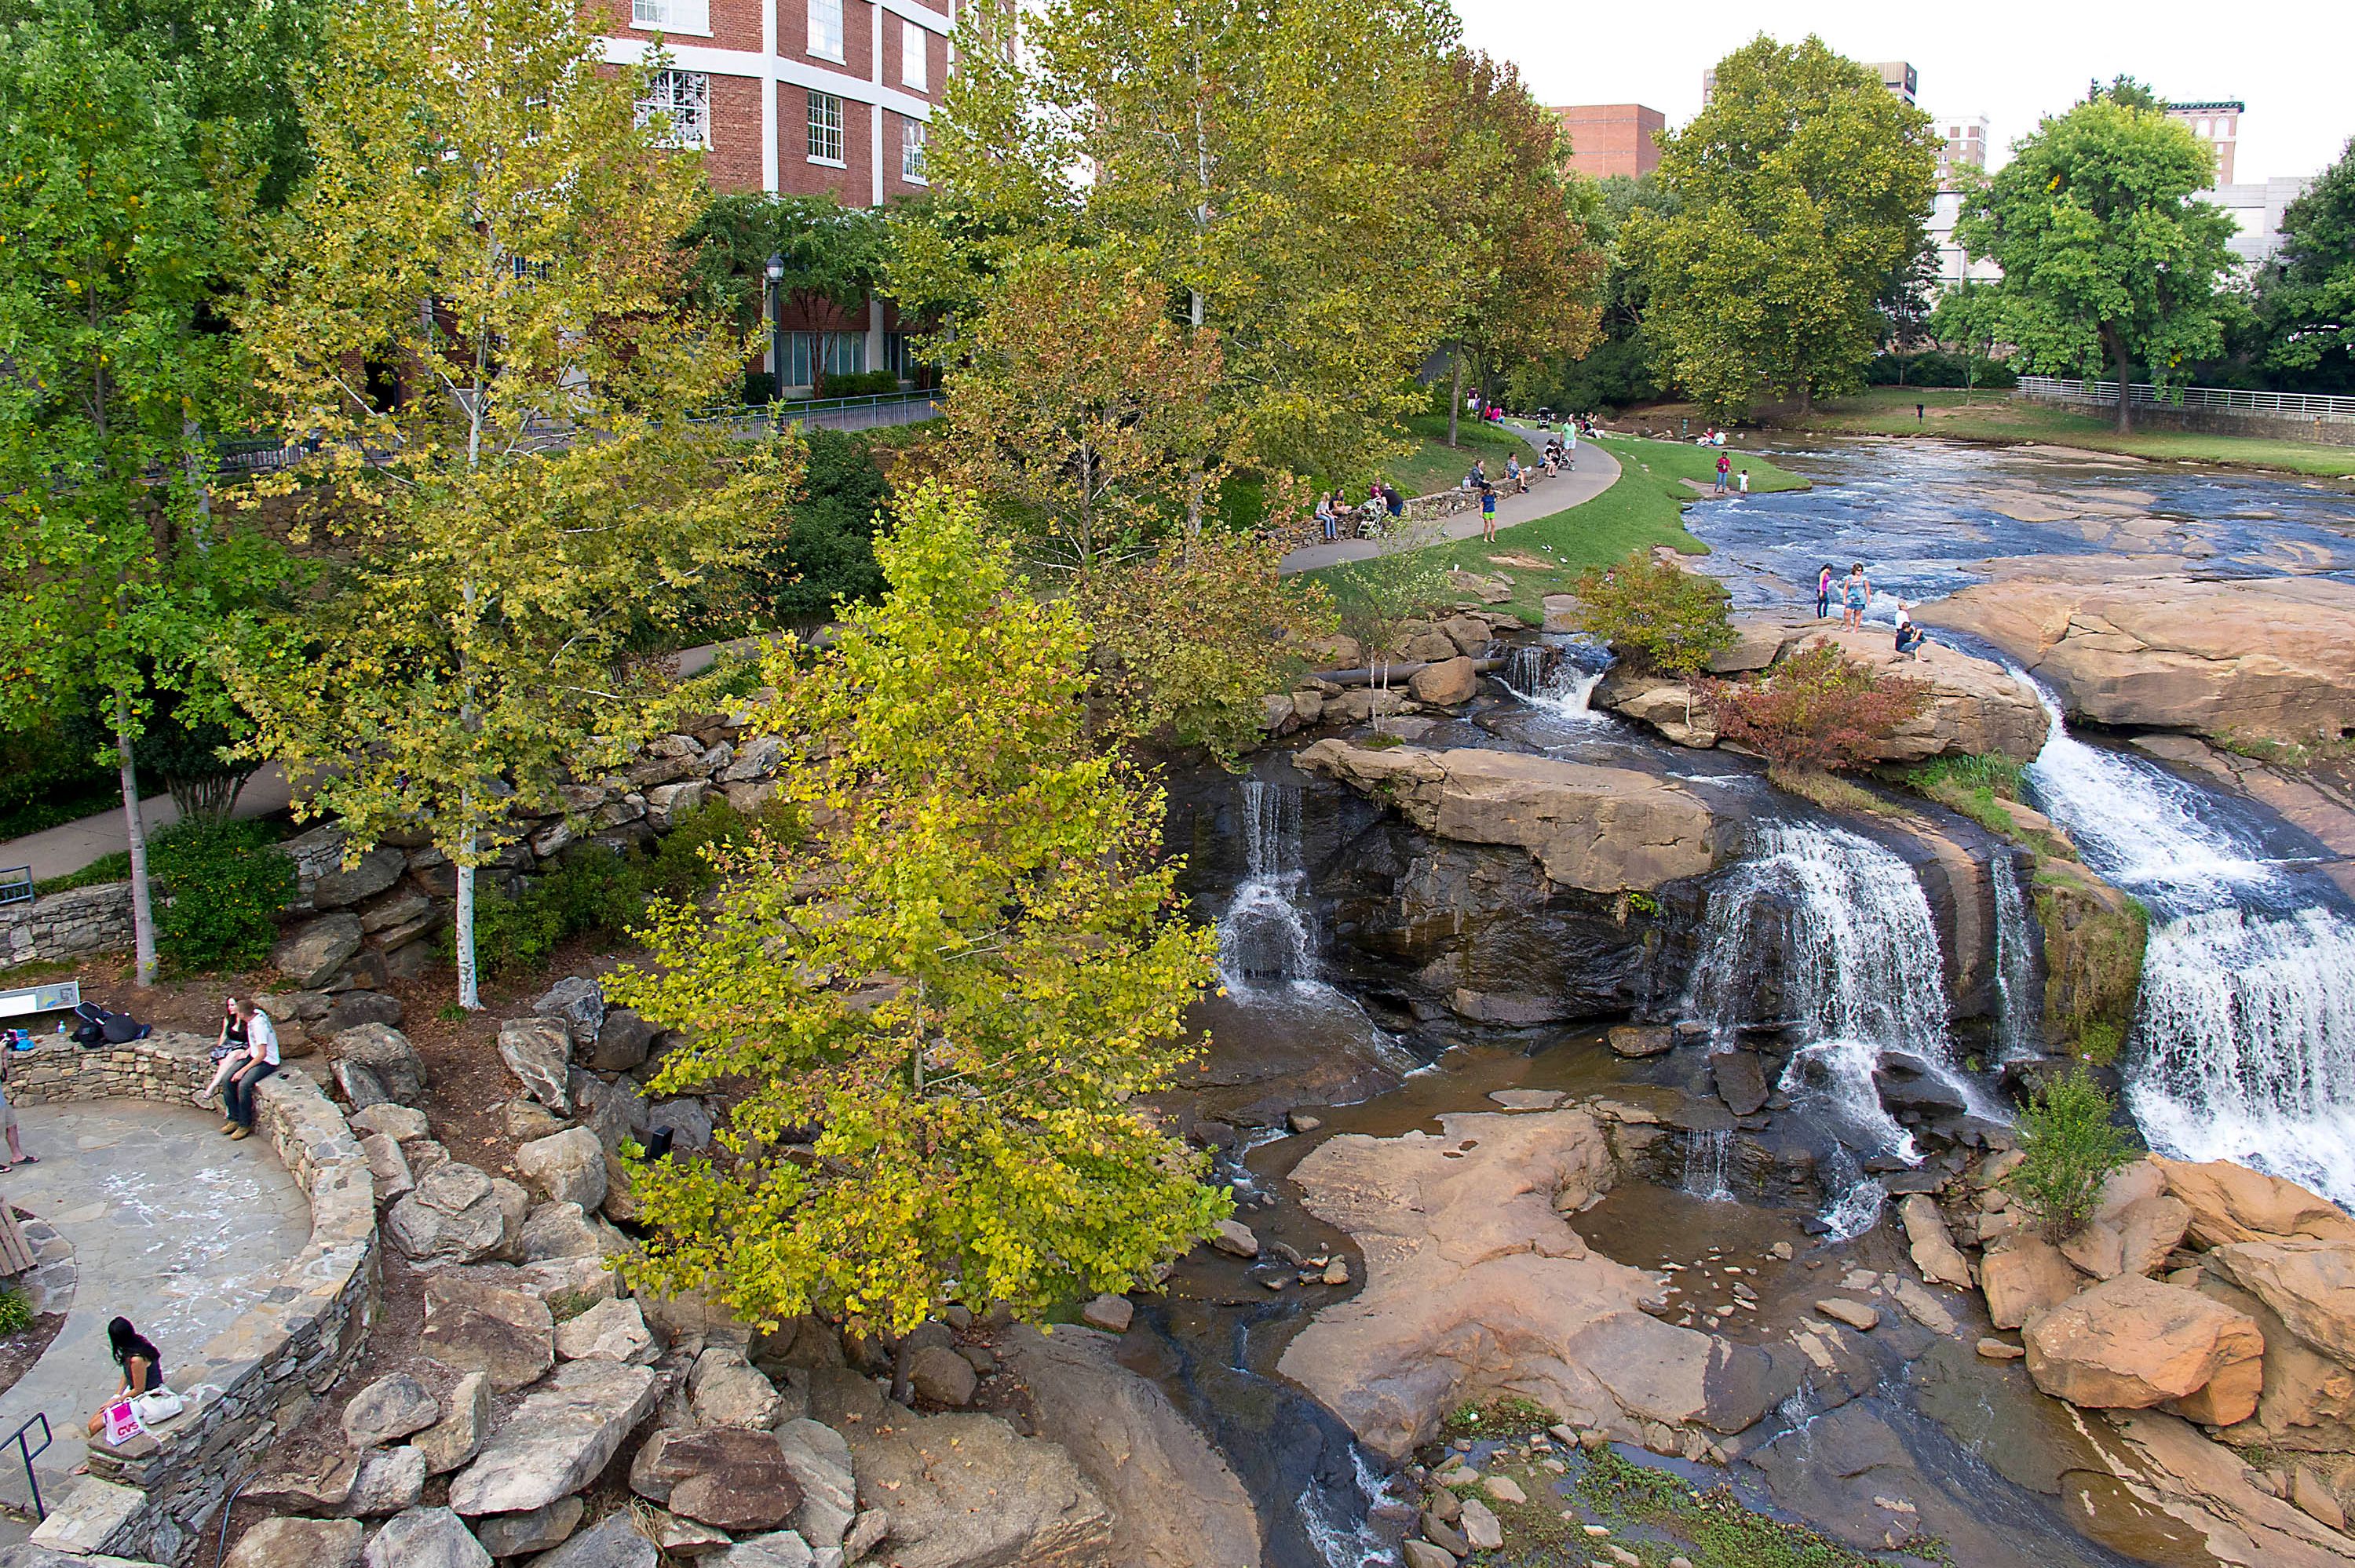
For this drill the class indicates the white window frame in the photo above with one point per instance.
(825, 29)
(692, 16)
(825, 120)
(915, 57)
(684, 96)
(911, 152)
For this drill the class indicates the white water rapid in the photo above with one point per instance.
(2244, 1045)
(1832, 932)
(1548, 679)
(2018, 1030)
(1265, 942)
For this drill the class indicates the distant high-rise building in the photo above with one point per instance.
(1612, 138)
(1897, 75)
(2218, 125)
(1964, 143)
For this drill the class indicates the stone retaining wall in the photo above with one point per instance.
(69, 925)
(2257, 427)
(260, 1378)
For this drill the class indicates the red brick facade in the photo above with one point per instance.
(1612, 138)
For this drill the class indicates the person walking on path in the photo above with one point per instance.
(1824, 592)
(16, 1155)
(260, 1061)
(1488, 514)
(1857, 592)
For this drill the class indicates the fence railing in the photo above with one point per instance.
(2216, 399)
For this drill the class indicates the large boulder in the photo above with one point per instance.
(555, 1231)
(1976, 706)
(2311, 1283)
(2231, 1204)
(287, 1542)
(2131, 1343)
(1935, 1253)
(2308, 1403)
(353, 1008)
(820, 1461)
(568, 1168)
(388, 1058)
(614, 1542)
(456, 1214)
(1604, 830)
(726, 1390)
(1666, 704)
(732, 1478)
(612, 1331)
(2024, 1277)
(426, 1538)
(579, 1002)
(518, 1534)
(465, 1422)
(621, 1042)
(1476, 1285)
(538, 1052)
(474, 1326)
(966, 1489)
(390, 1409)
(558, 1440)
(390, 1481)
(313, 952)
(1445, 685)
(2270, 658)
(364, 876)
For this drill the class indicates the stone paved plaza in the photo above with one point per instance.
(173, 1226)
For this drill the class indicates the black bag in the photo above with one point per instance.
(100, 1027)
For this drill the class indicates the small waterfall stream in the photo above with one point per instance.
(2244, 1047)
(1547, 678)
(1831, 931)
(1265, 941)
(2019, 1031)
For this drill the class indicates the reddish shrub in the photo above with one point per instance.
(1816, 709)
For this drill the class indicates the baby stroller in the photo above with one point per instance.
(97, 1027)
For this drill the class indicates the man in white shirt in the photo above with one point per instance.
(262, 1060)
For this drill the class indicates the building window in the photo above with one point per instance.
(811, 355)
(825, 128)
(683, 99)
(912, 151)
(825, 29)
(672, 15)
(911, 54)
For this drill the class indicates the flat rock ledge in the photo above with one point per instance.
(1598, 828)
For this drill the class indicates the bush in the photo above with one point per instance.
(1937, 367)
(1817, 710)
(2072, 1144)
(1976, 786)
(1670, 619)
(15, 1312)
(859, 383)
(760, 387)
(223, 885)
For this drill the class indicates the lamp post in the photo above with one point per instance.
(777, 336)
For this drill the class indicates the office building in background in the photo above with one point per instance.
(1612, 138)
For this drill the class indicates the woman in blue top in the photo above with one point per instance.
(1857, 590)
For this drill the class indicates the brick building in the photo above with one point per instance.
(1612, 138)
(803, 97)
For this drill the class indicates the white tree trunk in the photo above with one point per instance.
(143, 906)
(470, 996)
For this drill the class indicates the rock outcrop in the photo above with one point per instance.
(2131, 1343)
(2270, 658)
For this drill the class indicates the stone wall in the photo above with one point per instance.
(258, 1379)
(69, 925)
(2217, 422)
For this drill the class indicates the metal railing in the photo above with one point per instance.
(878, 412)
(2216, 399)
(28, 1454)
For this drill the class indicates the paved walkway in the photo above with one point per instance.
(1596, 472)
(173, 1226)
(67, 847)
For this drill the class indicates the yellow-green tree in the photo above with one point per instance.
(934, 1017)
(472, 315)
(1804, 185)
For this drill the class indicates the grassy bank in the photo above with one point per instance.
(1643, 508)
(1996, 417)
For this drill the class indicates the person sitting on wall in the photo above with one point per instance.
(143, 1370)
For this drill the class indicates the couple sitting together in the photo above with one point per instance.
(246, 1053)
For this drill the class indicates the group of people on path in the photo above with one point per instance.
(1854, 592)
(1382, 500)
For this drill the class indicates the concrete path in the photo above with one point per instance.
(67, 847)
(1596, 472)
(173, 1226)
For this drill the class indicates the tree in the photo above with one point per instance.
(1088, 412)
(2109, 257)
(830, 252)
(2306, 295)
(1803, 185)
(490, 236)
(937, 1059)
(1531, 275)
(1969, 315)
(1262, 165)
(114, 245)
(1671, 619)
(1618, 370)
(1817, 710)
(2070, 1142)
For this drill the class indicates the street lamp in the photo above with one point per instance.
(777, 336)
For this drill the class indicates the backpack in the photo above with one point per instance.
(100, 1027)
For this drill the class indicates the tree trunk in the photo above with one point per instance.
(470, 995)
(142, 906)
(2124, 369)
(1455, 396)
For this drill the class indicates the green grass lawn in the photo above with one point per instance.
(1643, 508)
(1996, 417)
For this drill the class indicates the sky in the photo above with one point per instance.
(2012, 60)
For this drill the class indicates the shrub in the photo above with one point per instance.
(1976, 786)
(859, 383)
(1817, 710)
(15, 1312)
(1670, 619)
(224, 884)
(2072, 1144)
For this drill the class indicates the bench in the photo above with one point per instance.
(17, 885)
(58, 996)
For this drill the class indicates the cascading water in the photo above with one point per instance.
(1838, 929)
(1265, 941)
(2018, 1031)
(1707, 1150)
(1548, 678)
(2244, 1045)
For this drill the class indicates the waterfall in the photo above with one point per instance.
(1548, 678)
(1831, 931)
(2244, 1048)
(1706, 1153)
(2018, 1030)
(1265, 940)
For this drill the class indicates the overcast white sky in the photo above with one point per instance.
(2012, 60)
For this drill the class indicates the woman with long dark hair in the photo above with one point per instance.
(141, 1364)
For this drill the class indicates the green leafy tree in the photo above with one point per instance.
(2110, 260)
(1671, 619)
(113, 244)
(934, 1065)
(1619, 369)
(1970, 315)
(830, 253)
(516, 481)
(2070, 1142)
(1802, 189)
(2305, 295)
